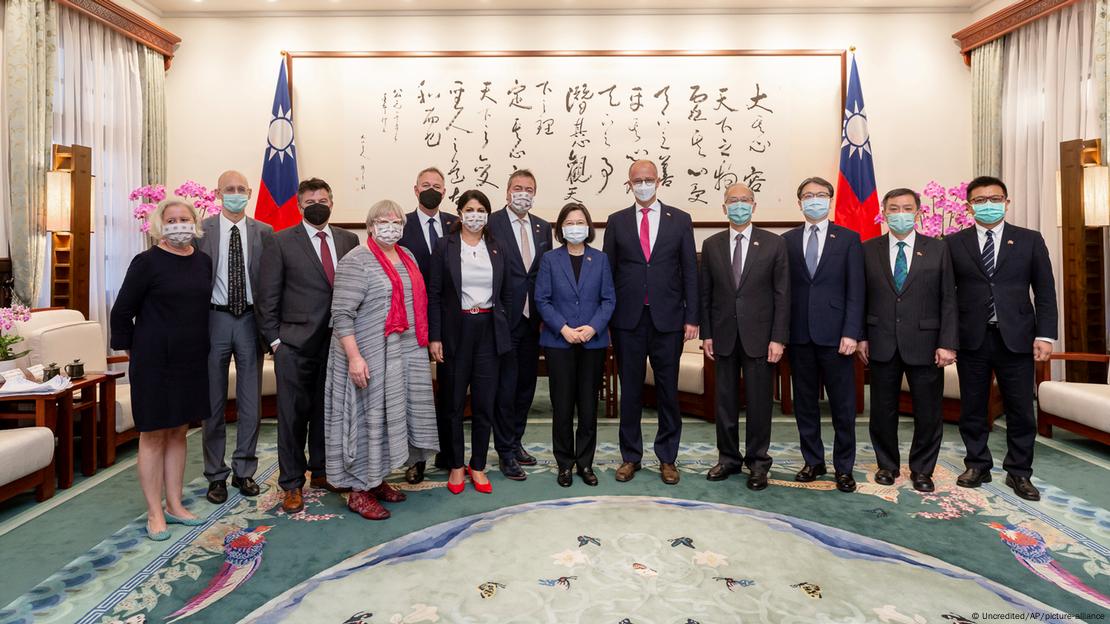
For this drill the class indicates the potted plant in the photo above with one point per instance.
(8, 318)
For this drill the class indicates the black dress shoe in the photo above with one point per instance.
(247, 486)
(922, 482)
(512, 470)
(758, 481)
(1023, 487)
(415, 473)
(523, 458)
(564, 477)
(588, 476)
(973, 477)
(845, 482)
(720, 472)
(809, 473)
(217, 492)
(885, 477)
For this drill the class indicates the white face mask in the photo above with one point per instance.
(521, 202)
(474, 221)
(576, 233)
(387, 233)
(644, 190)
(179, 234)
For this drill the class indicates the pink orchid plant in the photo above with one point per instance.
(149, 196)
(944, 211)
(8, 318)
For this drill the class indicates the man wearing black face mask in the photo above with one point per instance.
(294, 315)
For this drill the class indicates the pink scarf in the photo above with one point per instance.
(397, 321)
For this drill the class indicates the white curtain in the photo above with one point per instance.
(99, 104)
(1048, 97)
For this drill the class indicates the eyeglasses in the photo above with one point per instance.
(816, 195)
(994, 199)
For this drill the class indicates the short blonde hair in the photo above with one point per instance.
(155, 218)
(383, 208)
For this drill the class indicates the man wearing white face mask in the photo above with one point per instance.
(525, 239)
(234, 243)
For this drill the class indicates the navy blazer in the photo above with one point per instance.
(830, 305)
(412, 237)
(669, 279)
(445, 312)
(521, 279)
(563, 300)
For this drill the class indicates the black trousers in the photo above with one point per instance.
(1014, 373)
(633, 347)
(575, 378)
(759, 387)
(300, 401)
(516, 388)
(474, 366)
(927, 391)
(809, 364)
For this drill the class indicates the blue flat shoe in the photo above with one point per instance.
(172, 519)
(160, 536)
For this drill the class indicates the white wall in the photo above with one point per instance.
(916, 86)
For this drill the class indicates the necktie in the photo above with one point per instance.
(325, 258)
(988, 266)
(236, 277)
(811, 251)
(526, 256)
(738, 261)
(645, 234)
(901, 268)
(433, 236)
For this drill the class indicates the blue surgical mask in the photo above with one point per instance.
(235, 202)
(990, 212)
(740, 212)
(816, 208)
(901, 222)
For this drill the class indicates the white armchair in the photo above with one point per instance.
(27, 461)
(1082, 408)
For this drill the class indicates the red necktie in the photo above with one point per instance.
(325, 258)
(645, 240)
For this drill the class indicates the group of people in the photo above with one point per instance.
(354, 329)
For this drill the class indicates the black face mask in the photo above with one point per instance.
(317, 214)
(430, 198)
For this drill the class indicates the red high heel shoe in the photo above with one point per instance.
(456, 488)
(486, 488)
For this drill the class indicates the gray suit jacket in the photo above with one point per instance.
(257, 235)
(294, 296)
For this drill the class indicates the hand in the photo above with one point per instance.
(436, 349)
(359, 372)
(585, 333)
(847, 346)
(707, 347)
(1041, 350)
(691, 332)
(774, 352)
(570, 335)
(944, 357)
(863, 350)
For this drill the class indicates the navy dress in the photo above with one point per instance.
(161, 316)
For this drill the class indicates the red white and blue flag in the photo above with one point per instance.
(857, 201)
(277, 194)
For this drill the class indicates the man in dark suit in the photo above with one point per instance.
(294, 314)
(524, 239)
(655, 270)
(234, 242)
(423, 229)
(826, 321)
(912, 330)
(745, 321)
(1001, 331)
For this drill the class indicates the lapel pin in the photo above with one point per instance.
(831, 235)
(668, 214)
(1010, 241)
(588, 259)
(920, 254)
(756, 243)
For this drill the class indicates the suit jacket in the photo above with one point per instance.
(759, 310)
(445, 313)
(257, 235)
(521, 279)
(1022, 264)
(669, 279)
(412, 237)
(922, 317)
(564, 300)
(828, 306)
(294, 296)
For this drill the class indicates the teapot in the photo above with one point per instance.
(76, 370)
(50, 371)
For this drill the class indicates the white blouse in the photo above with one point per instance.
(477, 276)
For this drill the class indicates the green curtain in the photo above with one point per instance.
(152, 73)
(986, 108)
(30, 64)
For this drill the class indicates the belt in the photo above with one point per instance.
(223, 308)
(477, 310)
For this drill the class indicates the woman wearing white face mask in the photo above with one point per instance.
(575, 297)
(468, 325)
(161, 318)
(379, 411)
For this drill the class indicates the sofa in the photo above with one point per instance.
(26, 462)
(1082, 408)
(950, 406)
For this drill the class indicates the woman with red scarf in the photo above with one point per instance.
(379, 411)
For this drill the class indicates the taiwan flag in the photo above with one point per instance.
(857, 202)
(277, 194)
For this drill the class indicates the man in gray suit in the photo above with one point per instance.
(912, 329)
(234, 243)
(294, 314)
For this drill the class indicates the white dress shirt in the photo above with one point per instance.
(653, 221)
(515, 220)
(981, 233)
(219, 291)
(477, 276)
(312, 232)
(822, 233)
(909, 240)
(745, 243)
(423, 220)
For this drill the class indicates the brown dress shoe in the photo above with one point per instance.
(627, 470)
(365, 505)
(669, 473)
(293, 502)
(321, 483)
(387, 493)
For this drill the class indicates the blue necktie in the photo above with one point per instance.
(433, 237)
(988, 266)
(901, 270)
(811, 251)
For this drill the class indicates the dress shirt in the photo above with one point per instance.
(312, 232)
(516, 220)
(653, 221)
(477, 276)
(822, 233)
(745, 243)
(219, 290)
(909, 240)
(423, 219)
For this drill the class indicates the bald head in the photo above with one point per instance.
(233, 179)
(231, 185)
(640, 168)
(739, 205)
(739, 192)
(643, 180)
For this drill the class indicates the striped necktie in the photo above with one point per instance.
(988, 266)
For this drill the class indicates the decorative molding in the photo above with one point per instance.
(1004, 22)
(129, 24)
(958, 6)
